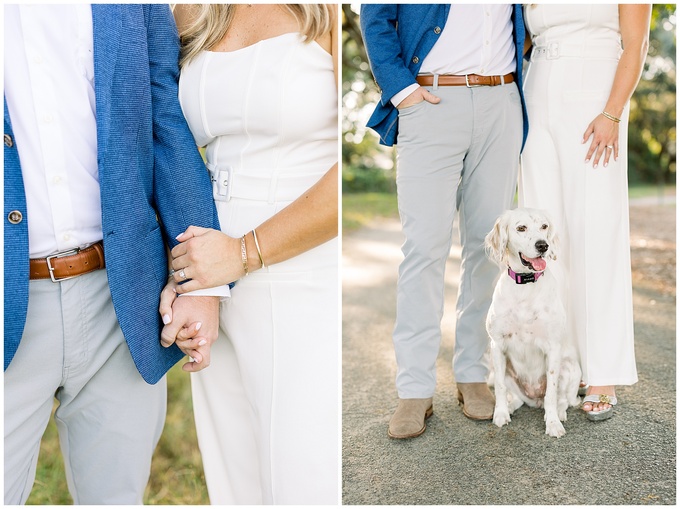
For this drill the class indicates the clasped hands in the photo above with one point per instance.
(207, 258)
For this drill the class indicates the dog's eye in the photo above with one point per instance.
(544, 227)
(521, 228)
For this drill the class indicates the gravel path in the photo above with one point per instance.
(629, 459)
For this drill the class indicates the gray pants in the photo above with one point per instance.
(464, 149)
(109, 419)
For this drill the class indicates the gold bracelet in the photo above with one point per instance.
(259, 253)
(244, 255)
(611, 117)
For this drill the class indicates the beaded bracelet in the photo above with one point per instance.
(611, 117)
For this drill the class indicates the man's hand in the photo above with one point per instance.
(419, 95)
(192, 323)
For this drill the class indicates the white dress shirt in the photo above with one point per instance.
(49, 87)
(477, 39)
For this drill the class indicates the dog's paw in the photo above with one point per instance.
(501, 417)
(554, 429)
(562, 414)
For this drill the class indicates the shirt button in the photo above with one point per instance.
(415, 60)
(15, 217)
(8, 141)
(47, 118)
(37, 59)
(66, 236)
(437, 30)
(487, 43)
(56, 179)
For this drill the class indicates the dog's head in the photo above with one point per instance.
(522, 239)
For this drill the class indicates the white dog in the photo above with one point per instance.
(533, 361)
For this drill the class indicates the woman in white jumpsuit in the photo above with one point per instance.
(574, 165)
(262, 99)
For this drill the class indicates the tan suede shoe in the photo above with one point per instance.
(408, 420)
(478, 402)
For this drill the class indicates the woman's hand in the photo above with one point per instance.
(168, 296)
(605, 141)
(195, 346)
(207, 257)
(634, 22)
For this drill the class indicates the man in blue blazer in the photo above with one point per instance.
(450, 77)
(100, 170)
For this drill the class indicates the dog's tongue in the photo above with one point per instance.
(538, 264)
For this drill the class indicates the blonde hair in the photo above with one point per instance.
(211, 22)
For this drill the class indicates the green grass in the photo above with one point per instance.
(358, 209)
(176, 470)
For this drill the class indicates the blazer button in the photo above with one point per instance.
(8, 141)
(415, 60)
(15, 217)
(437, 30)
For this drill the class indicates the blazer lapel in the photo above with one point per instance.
(106, 26)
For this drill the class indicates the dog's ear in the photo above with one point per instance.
(554, 241)
(553, 238)
(496, 241)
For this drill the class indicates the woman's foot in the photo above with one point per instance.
(600, 407)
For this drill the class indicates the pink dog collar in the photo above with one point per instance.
(522, 278)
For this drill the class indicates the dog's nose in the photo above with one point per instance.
(541, 246)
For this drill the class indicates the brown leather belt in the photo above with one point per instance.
(468, 80)
(69, 264)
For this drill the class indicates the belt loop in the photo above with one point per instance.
(502, 80)
(435, 82)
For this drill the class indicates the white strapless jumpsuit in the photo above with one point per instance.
(267, 407)
(574, 59)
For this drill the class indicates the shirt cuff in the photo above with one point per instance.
(219, 291)
(400, 96)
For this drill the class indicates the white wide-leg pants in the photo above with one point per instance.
(267, 407)
(589, 206)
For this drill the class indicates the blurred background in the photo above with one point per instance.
(368, 169)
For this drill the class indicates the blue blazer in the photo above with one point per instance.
(398, 37)
(153, 181)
